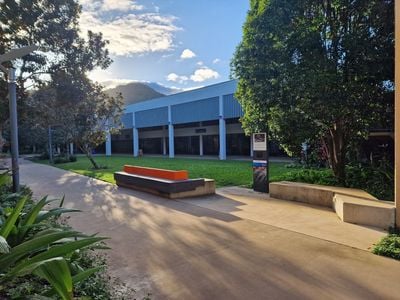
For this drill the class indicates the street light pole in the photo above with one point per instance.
(50, 145)
(397, 114)
(12, 96)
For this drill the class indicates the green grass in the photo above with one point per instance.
(225, 173)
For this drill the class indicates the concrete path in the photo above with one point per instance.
(315, 221)
(224, 247)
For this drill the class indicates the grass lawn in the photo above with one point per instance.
(225, 173)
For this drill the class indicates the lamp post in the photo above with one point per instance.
(12, 97)
(397, 113)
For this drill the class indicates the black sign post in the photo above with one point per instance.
(260, 162)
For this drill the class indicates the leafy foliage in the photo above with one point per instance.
(314, 176)
(377, 180)
(317, 70)
(30, 244)
(389, 246)
(374, 180)
(100, 286)
(77, 109)
(54, 26)
(64, 159)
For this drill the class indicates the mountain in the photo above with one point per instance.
(162, 89)
(135, 92)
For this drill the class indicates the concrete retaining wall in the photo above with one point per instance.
(351, 205)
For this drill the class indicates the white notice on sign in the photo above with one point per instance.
(259, 142)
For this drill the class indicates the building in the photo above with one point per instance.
(200, 122)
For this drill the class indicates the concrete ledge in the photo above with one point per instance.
(351, 205)
(301, 192)
(364, 212)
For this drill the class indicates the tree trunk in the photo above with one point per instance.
(2, 141)
(336, 143)
(90, 157)
(88, 152)
(67, 153)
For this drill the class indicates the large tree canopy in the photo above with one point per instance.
(78, 109)
(53, 26)
(314, 69)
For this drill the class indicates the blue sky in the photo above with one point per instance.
(178, 43)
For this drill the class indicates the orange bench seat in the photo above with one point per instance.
(157, 173)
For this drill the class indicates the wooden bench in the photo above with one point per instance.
(165, 183)
(157, 173)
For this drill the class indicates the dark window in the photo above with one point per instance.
(210, 144)
(155, 128)
(237, 144)
(187, 145)
(232, 121)
(151, 146)
(122, 142)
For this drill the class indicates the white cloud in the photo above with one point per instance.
(217, 60)
(204, 74)
(200, 75)
(187, 53)
(131, 32)
(122, 5)
(177, 78)
(200, 63)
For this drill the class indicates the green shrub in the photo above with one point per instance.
(57, 159)
(44, 156)
(35, 250)
(31, 245)
(100, 286)
(315, 176)
(64, 159)
(34, 243)
(376, 180)
(389, 246)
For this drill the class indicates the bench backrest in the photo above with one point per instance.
(157, 173)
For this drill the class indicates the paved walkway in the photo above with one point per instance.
(230, 246)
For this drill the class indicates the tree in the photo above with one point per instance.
(80, 110)
(54, 26)
(92, 116)
(320, 70)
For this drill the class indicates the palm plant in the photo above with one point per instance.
(31, 244)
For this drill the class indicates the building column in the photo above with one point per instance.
(222, 130)
(108, 143)
(171, 134)
(71, 148)
(135, 135)
(201, 145)
(164, 145)
(135, 142)
(251, 146)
